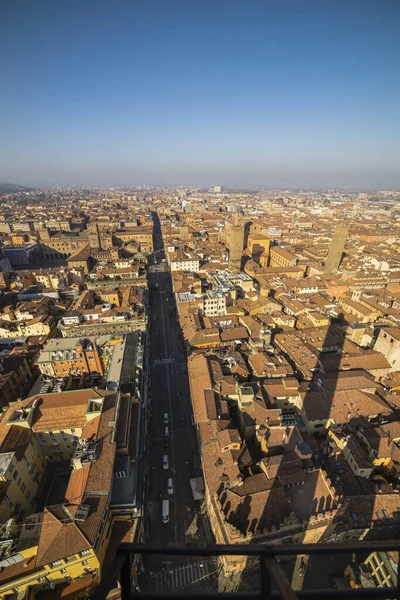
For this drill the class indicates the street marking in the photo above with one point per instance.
(163, 361)
(182, 576)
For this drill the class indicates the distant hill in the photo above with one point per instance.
(11, 188)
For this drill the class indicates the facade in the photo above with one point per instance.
(184, 263)
(388, 344)
(257, 244)
(214, 304)
(280, 257)
(143, 236)
(76, 356)
(22, 256)
(61, 244)
(15, 377)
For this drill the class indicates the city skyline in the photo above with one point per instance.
(231, 93)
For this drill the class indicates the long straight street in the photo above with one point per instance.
(169, 391)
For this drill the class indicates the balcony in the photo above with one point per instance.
(273, 581)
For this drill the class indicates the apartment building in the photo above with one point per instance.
(214, 304)
(388, 344)
(77, 355)
(68, 541)
(280, 257)
(184, 262)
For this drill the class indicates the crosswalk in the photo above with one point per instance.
(180, 577)
(163, 361)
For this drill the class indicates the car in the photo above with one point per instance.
(165, 511)
(166, 431)
(166, 418)
(165, 463)
(170, 487)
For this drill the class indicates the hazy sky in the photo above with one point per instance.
(283, 92)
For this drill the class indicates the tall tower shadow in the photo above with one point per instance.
(295, 490)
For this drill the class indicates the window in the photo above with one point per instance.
(63, 571)
(56, 563)
(15, 475)
(11, 467)
(84, 562)
(84, 553)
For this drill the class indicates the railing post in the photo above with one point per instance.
(285, 589)
(126, 577)
(265, 576)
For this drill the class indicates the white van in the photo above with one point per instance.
(170, 486)
(165, 511)
(165, 462)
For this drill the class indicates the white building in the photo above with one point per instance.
(187, 262)
(214, 304)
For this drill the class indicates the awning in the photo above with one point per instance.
(197, 485)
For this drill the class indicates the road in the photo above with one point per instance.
(169, 392)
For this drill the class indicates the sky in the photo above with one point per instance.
(290, 93)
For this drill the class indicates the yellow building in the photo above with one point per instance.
(67, 541)
(279, 257)
(111, 296)
(49, 279)
(142, 235)
(258, 243)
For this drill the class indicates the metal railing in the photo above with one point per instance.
(273, 580)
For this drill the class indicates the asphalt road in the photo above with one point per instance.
(169, 392)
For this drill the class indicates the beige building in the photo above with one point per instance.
(388, 344)
(214, 304)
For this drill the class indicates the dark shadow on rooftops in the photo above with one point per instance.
(314, 481)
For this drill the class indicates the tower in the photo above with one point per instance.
(336, 249)
(93, 235)
(235, 245)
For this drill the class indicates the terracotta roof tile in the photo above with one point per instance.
(16, 439)
(59, 537)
